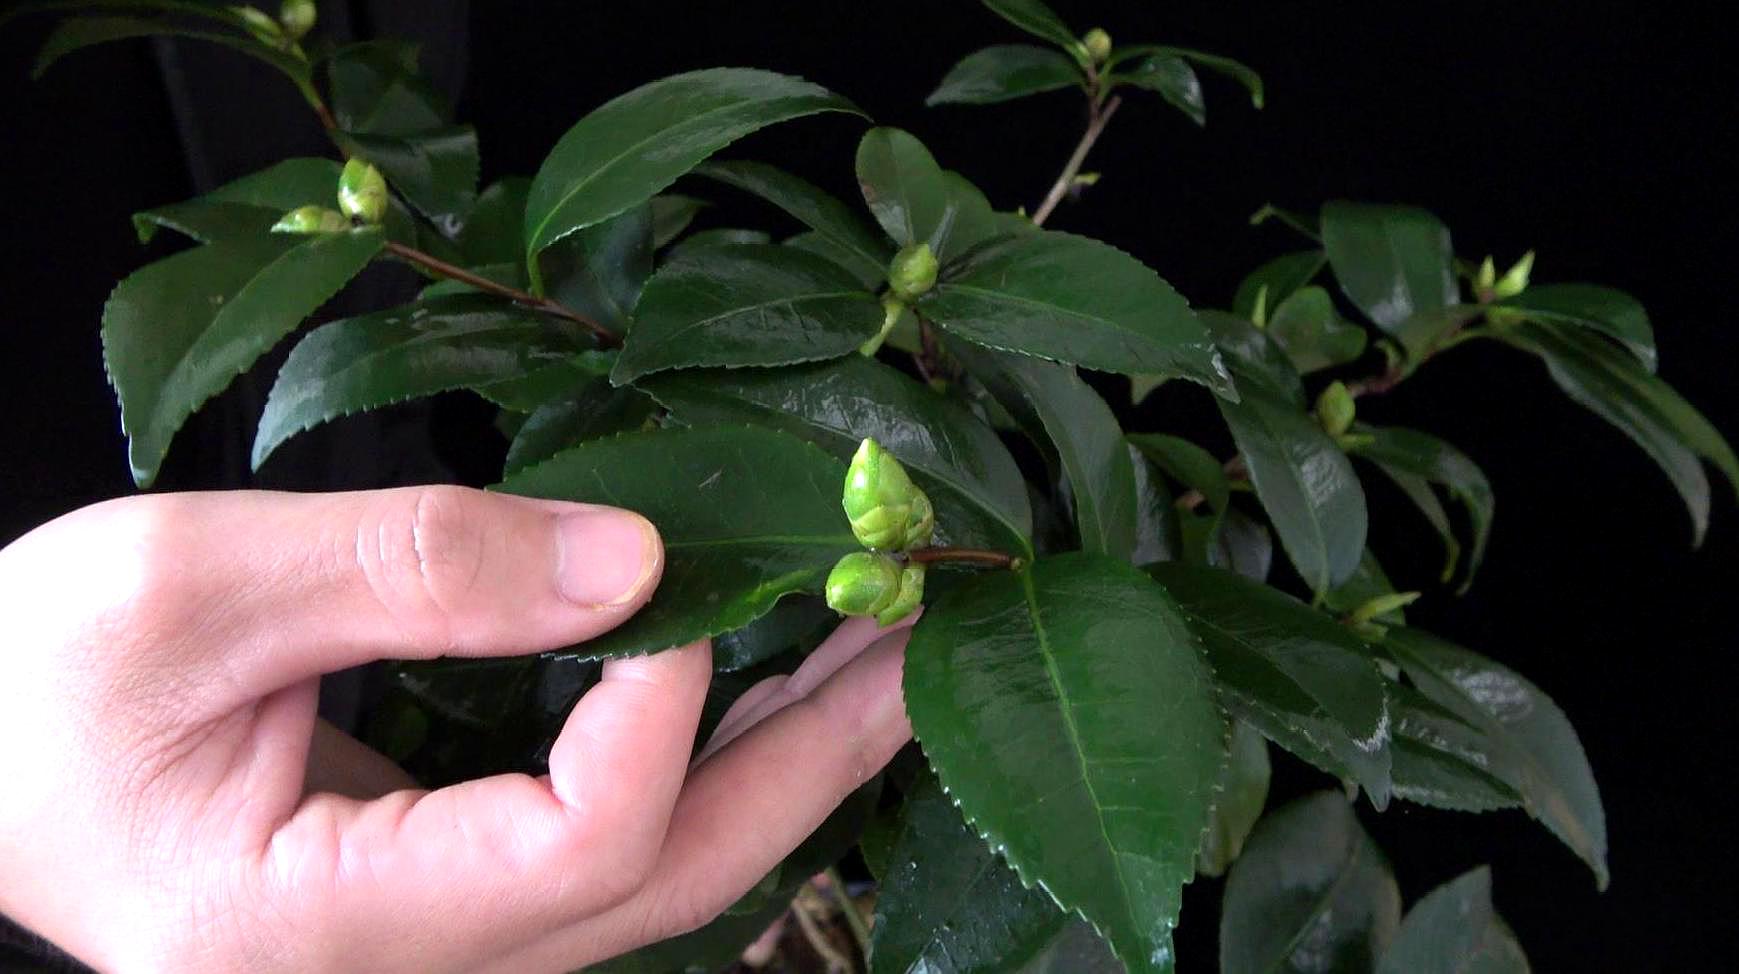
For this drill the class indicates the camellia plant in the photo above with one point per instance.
(888, 408)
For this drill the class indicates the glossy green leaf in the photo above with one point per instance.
(1312, 333)
(1291, 672)
(1235, 542)
(546, 383)
(1443, 761)
(1236, 70)
(968, 216)
(671, 215)
(435, 171)
(715, 237)
(1004, 72)
(178, 331)
(1455, 929)
(1252, 355)
(245, 207)
(403, 353)
(949, 904)
(797, 622)
(973, 483)
(78, 33)
(491, 231)
(1424, 332)
(602, 270)
(1066, 709)
(1304, 482)
(376, 89)
(746, 305)
(1403, 453)
(902, 185)
(1311, 894)
(596, 409)
(747, 515)
(1238, 801)
(1533, 747)
(1156, 513)
(1392, 261)
(809, 204)
(1036, 19)
(1368, 582)
(1070, 299)
(638, 143)
(1188, 464)
(1173, 79)
(1606, 380)
(871, 275)
(1604, 310)
(1277, 280)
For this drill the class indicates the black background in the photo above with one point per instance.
(1594, 133)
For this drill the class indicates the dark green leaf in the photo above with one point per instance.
(491, 231)
(1057, 296)
(546, 383)
(1005, 72)
(950, 905)
(248, 206)
(1367, 583)
(903, 186)
(1242, 791)
(671, 214)
(1188, 464)
(601, 270)
(1236, 70)
(1253, 355)
(378, 359)
(1067, 710)
(747, 516)
(176, 332)
(1288, 670)
(1533, 747)
(1156, 514)
(814, 207)
(1036, 19)
(973, 483)
(1312, 893)
(1443, 761)
(967, 216)
(640, 142)
(1174, 80)
(1609, 312)
(1455, 930)
(746, 305)
(1281, 277)
(1239, 544)
(715, 237)
(1393, 262)
(435, 171)
(797, 622)
(1424, 332)
(1403, 453)
(1075, 950)
(869, 274)
(1312, 332)
(1606, 380)
(376, 90)
(594, 410)
(78, 33)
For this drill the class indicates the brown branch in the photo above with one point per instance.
(976, 556)
(1098, 116)
(604, 335)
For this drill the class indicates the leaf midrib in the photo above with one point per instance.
(1321, 572)
(1318, 906)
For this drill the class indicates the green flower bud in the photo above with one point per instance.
(1098, 45)
(298, 18)
(362, 192)
(311, 219)
(910, 595)
(912, 272)
(1335, 409)
(260, 24)
(1515, 280)
(878, 497)
(863, 583)
(892, 309)
(1382, 605)
(920, 523)
(1486, 278)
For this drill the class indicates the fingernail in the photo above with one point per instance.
(605, 556)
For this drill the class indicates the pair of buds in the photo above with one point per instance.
(889, 515)
(362, 198)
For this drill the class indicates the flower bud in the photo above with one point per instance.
(311, 219)
(920, 523)
(362, 192)
(878, 497)
(297, 17)
(910, 595)
(1486, 278)
(912, 272)
(1335, 409)
(260, 24)
(1382, 605)
(1515, 280)
(1098, 45)
(863, 583)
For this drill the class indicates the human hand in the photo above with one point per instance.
(172, 803)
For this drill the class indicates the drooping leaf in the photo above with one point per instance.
(1173, 79)
(1604, 310)
(1312, 893)
(973, 483)
(1455, 929)
(1312, 332)
(1236, 70)
(1253, 355)
(903, 186)
(435, 171)
(366, 362)
(1057, 296)
(1605, 379)
(1065, 708)
(1004, 72)
(376, 89)
(78, 33)
(601, 271)
(1412, 453)
(1392, 261)
(245, 207)
(176, 332)
(1156, 513)
(1277, 280)
(1238, 801)
(638, 143)
(1036, 19)
(814, 207)
(949, 904)
(594, 410)
(1289, 671)
(491, 231)
(1533, 747)
(747, 515)
(1443, 761)
(671, 215)
(746, 305)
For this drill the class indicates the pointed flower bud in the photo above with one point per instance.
(1382, 605)
(1098, 45)
(1515, 280)
(878, 497)
(1486, 277)
(910, 595)
(912, 272)
(362, 192)
(863, 583)
(1335, 409)
(920, 523)
(297, 17)
(260, 24)
(311, 219)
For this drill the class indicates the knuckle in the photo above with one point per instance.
(423, 557)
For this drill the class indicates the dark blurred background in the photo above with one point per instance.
(1596, 133)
